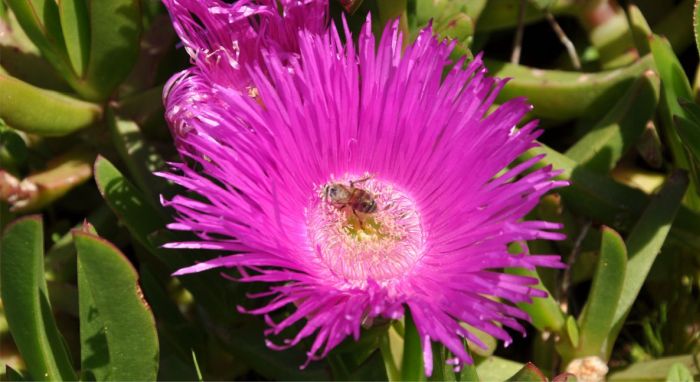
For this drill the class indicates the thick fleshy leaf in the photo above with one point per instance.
(644, 244)
(563, 95)
(675, 85)
(602, 147)
(115, 31)
(503, 14)
(497, 369)
(389, 346)
(43, 112)
(41, 22)
(32, 68)
(689, 131)
(62, 174)
(75, 24)
(679, 373)
(655, 370)
(640, 29)
(529, 373)
(26, 303)
(412, 365)
(140, 157)
(598, 313)
(13, 149)
(143, 220)
(608, 202)
(545, 313)
(117, 329)
(572, 331)
(543, 4)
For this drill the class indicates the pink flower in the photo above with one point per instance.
(363, 182)
(224, 39)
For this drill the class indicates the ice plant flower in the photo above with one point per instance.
(223, 39)
(362, 183)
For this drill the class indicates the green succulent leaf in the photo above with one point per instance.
(529, 373)
(40, 20)
(675, 85)
(497, 369)
(563, 95)
(611, 203)
(679, 373)
(412, 362)
(689, 131)
(117, 329)
(115, 32)
(544, 312)
(543, 4)
(43, 112)
(640, 29)
(141, 158)
(26, 302)
(572, 331)
(644, 244)
(31, 68)
(602, 147)
(657, 369)
(75, 24)
(597, 317)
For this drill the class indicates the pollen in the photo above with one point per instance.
(357, 247)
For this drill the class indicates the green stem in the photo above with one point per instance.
(412, 364)
(392, 371)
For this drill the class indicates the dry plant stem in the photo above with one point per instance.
(570, 48)
(566, 279)
(518, 41)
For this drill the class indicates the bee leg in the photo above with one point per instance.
(361, 180)
(359, 219)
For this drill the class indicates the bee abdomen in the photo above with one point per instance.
(368, 206)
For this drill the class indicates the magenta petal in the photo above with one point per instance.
(267, 138)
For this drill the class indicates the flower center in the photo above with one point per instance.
(363, 229)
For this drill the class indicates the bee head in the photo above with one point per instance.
(335, 192)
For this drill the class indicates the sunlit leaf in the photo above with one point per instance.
(598, 313)
(655, 370)
(529, 373)
(26, 303)
(115, 30)
(602, 147)
(117, 329)
(644, 243)
(679, 373)
(562, 95)
(75, 24)
(675, 85)
(44, 112)
(497, 369)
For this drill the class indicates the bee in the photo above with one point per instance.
(357, 199)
